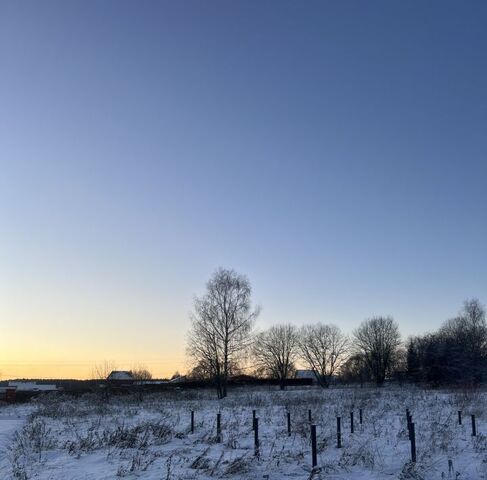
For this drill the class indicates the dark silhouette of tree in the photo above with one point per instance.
(221, 328)
(275, 352)
(355, 369)
(323, 349)
(378, 340)
(456, 353)
(141, 373)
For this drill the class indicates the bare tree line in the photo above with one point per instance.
(221, 339)
(222, 343)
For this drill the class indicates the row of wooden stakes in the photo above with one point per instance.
(255, 427)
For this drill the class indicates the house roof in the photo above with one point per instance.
(120, 375)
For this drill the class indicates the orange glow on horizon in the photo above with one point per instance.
(80, 370)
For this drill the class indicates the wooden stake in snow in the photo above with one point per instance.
(218, 428)
(192, 421)
(288, 424)
(360, 416)
(351, 422)
(409, 419)
(412, 437)
(256, 437)
(474, 427)
(313, 446)
(459, 417)
(253, 419)
(339, 432)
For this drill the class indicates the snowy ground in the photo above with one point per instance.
(88, 439)
(11, 421)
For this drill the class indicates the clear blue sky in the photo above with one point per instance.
(335, 152)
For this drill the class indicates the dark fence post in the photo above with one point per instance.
(409, 419)
(313, 446)
(351, 422)
(412, 437)
(192, 421)
(459, 417)
(360, 416)
(339, 432)
(253, 419)
(474, 427)
(218, 428)
(256, 437)
(288, 424)
(309, 415)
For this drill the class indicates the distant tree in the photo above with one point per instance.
(465, 339)
(377, 340)
(355, 369)
(323, 349)
(275, 351)
(413, 360)
(101, 371)
(398, 370)
(141, 373)
(199, 372)
(222, 323)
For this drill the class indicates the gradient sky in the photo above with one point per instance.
(335, 152)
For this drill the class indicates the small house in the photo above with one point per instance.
(309, 374)
(120, 378)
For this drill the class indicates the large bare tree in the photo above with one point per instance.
(275, 351)
(323, 349)
(378, 340)
(222, 323)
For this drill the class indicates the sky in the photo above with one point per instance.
(333, 152)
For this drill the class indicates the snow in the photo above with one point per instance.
(149, 437)
(11, 420)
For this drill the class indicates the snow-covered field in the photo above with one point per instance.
(59, 437)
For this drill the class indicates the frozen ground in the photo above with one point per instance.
(61, 438)
(11, 420)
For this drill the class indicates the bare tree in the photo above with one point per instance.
(378, 339)
(141, 373)
(354, 369)
(222, 323)
(275, 351)
(199, 372)
(101, 370)
(323, 349)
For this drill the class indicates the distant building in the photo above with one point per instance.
(306, 374)
(31, 387)
(121, 377)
